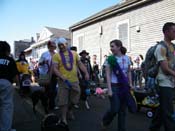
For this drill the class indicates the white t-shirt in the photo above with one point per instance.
(137, 62)
(163, 79)
(46, 56)
(124, 63)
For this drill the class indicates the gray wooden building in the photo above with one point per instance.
(137, 23)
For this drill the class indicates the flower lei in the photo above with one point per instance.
(112, 61)
(64, 60)
(117, 70)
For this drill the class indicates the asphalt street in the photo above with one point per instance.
(85, 120)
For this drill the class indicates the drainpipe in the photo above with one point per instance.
(100, 42)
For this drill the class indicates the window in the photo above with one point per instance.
(123, 33)
(80, 43)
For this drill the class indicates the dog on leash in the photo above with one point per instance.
(97, 91)
(87, 89)
(37, 94)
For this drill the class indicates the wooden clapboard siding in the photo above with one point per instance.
(149, 18)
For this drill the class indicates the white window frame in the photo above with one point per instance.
(117, 31)
(78, 44)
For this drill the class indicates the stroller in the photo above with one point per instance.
(25, 83)
(147, 98)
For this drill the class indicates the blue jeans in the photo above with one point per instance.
(6, 105)
(116, 107)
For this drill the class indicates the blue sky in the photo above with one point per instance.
(22, 19)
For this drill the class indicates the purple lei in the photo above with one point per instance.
(64, 60)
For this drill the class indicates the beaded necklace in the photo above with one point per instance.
(69, 68)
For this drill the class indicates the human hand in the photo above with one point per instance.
(131, 87)
(67, 82)
(109, 92)
(87, 76)
(80, 76)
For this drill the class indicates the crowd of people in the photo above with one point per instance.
(71, 72)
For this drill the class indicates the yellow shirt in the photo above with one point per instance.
(23, 67)
(69, 75)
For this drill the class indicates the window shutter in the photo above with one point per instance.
(80, 43)
(123, 34)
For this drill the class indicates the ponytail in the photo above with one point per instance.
(123, 50)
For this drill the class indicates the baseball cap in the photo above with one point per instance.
(60, 40)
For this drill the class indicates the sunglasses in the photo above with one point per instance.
(52, 46)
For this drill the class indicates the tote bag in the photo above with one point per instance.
(44, 79)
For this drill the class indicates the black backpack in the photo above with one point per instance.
(150, 66)
(51, 123)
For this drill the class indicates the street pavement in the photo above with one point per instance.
(85, 120)
(24, 118)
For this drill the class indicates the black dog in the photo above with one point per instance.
(37, 94)
(87, 89)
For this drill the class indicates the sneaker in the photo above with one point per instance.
(63, 123)
(71, 115)
(76, 106)
(103, 127)
(56, 108)
(87, 105)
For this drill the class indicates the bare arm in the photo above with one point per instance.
(108, 78)
(16, 79)
(166, 69)
(129, 76)
(161, 56)
(83, 68)
(57, 73)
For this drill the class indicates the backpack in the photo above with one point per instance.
(150, 66)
